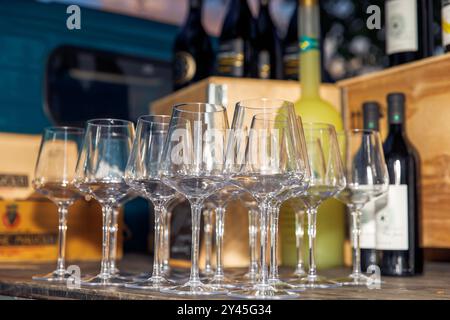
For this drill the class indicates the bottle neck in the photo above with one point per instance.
(397, 129)
(309, 30)
(195, 12)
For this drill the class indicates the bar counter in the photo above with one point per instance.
(15, 282)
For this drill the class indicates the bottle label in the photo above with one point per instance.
(291, 62)
(392, 220)
(446, 25)
(264, 64)
(308, 44)
(231, 58)
(402, 26)
(368, 236)
(184, 67)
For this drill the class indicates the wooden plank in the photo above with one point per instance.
(427, 87)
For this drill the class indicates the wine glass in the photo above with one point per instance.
(221, 199)
(367, 178)
(327, 179)
(101, 174)
(142, 175)
(193, 163)
(54, 172)
(266, 162)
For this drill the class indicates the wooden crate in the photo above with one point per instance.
(427, 87)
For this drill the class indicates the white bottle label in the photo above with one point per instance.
(368, 237)
(446, 25)
(402, 26)
(392, 220)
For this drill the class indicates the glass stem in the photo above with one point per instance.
(166, 245)
(207, 215)
(159, 215)
(220, 225)
(299, 233)
(274, 217)
(312, 215)
(105, 267)
(62, 232)
(356, 234)
(253, 237)
(196, 217)
(113, 239)
(263, 217)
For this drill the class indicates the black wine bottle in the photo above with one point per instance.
(408, 30)
(371, 121)
(193, 56)
(268, 48)
(235, 56)
(446, 25)
(398, 235)
(291, 51)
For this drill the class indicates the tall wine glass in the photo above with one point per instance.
(327, 179)
(54, 172)
(101, 174)
(367, 178)
(221, 200)
(193, 164)
(142, 175)
(267, 165)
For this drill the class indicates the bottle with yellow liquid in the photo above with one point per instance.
(312, 108)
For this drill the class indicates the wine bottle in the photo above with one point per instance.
(408, 30)
(268, 49)
(371, 121)
(312, 108)
(291, 50)
(446, 25)
(193, 56)
(235, 56)
(398, 222)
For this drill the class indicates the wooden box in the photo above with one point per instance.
(426, 84)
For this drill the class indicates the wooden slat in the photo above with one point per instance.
(427, 87)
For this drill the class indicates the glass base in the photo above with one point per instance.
(123, 275)
(263, 292)
(153, 283)
(299, 272)
(314, 282)
(104, 280)
(354, 280)
(207, 273)
(281, 285)
(196, 288)
(54, 276)
(222, 283)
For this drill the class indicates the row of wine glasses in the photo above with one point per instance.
(266, 157)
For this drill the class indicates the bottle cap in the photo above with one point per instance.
(396, 108)
(371, 115)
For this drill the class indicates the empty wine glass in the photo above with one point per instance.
(193, 163)
(327, 178)
(54, 172)
(101, 174)
(265, 161)
(367, 178)
(142, 175)
(221, 200)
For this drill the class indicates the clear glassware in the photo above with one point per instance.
(142, 175)
(265, 159)
(253, 226)
(114, 228)
(367, 178)
(327, 179)
(101, 174)
(193, 164)
(208, 211)
(54, 172)
(221, 200)
(299, 208)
